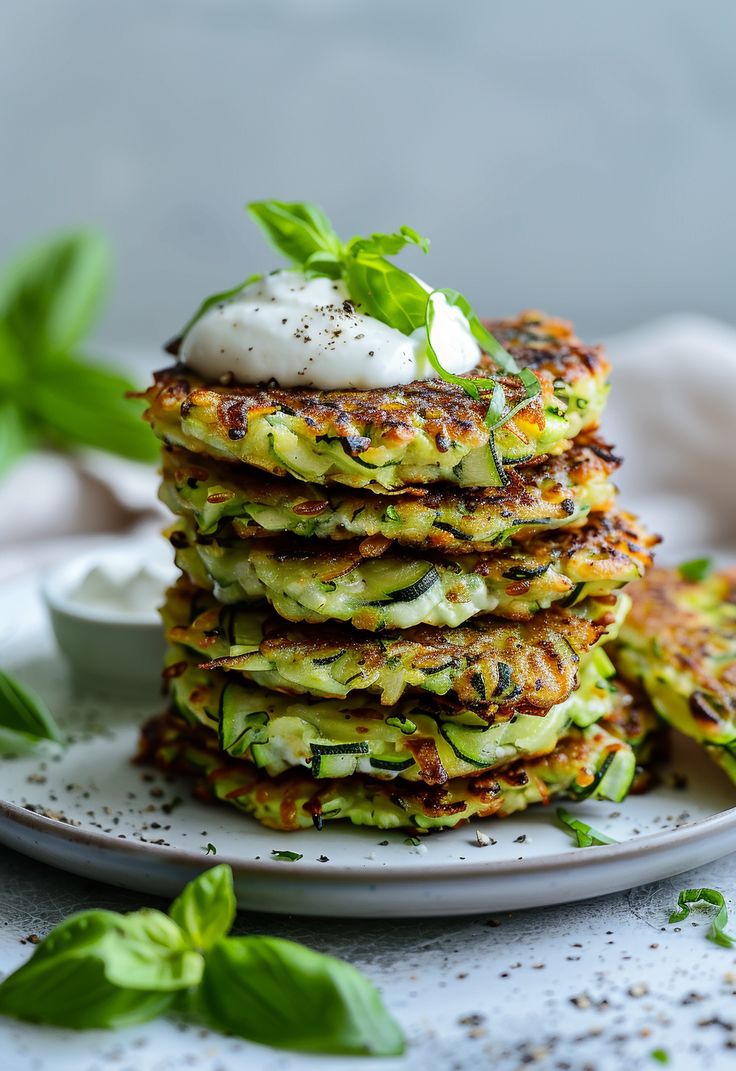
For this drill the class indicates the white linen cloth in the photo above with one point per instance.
(671, 414)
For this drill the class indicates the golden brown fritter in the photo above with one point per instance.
(376, 585)
(486, 664)
(422, 433)
(679, 641)
(555, 492)
(589, 762)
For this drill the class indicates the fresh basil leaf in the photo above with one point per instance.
(382, 290)
(74, 993)
(279, 993)
(696, 570)
(286, 857)
(49, 296)
(388, 245)
(81, 403)
(216, 299)
(205, 909)
(717, 932)
(24, 718)
(16, 436)
(584, 835)
(148, 950)
(296, 228)
(101, 969)
(321, 263)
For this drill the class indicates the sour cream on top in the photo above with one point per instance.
(306, 333)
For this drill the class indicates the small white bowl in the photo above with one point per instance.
(111, 647)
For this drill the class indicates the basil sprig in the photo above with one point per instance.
(717, 931)
(304, 234)
(584, 835)
(102, 969)
(25, 720)
(51, 391)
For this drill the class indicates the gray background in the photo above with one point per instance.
(574, 156)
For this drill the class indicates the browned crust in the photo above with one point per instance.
(686, 635)
(589, 457)
(447, 413)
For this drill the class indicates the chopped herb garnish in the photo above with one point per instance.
(412, 841)
(287, 857)
(717, 932)
(695, 570)
(585, 836)
(304, 234)
(211, 850)
(660, 1055)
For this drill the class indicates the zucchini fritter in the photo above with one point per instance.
(588, 763)
(421, 739)
(422, 433)
(679, 641)
(556, 492)
(487, 663)
(375, 587)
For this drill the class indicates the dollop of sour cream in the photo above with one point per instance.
(302, 332)
(110, 590)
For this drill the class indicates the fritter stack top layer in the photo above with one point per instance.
(423, 433)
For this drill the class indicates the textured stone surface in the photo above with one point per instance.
(597, 985)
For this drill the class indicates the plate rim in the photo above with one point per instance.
(650, 844)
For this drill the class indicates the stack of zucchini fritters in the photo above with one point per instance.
(384, 614)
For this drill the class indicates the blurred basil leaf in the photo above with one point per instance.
(205, 910)
(282, 994)
(50, 395)
(49, 296)
(24, 718)
(85, 404)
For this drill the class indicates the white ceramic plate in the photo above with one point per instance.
(89, 810)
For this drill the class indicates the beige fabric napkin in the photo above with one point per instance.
(672, 415)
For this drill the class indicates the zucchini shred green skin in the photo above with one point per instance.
(377, 588)
(556, 492)
(425, 432)
(679, 645)
(419, 739)
(486, 663)
(589, 762)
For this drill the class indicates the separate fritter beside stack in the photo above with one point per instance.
(393, 599)
(679, 646)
